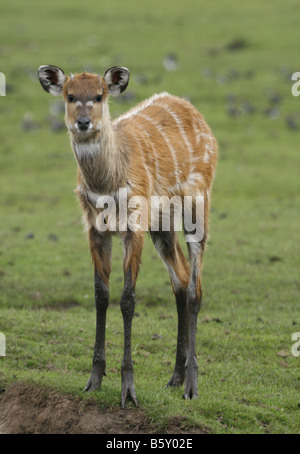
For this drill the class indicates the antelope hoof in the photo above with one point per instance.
(94, 383)
(128, 391)
(191, 386)
(176, 380)
(190, 395)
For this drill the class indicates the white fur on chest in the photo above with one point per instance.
(83, 150)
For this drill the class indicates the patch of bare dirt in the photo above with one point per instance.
(26, 409)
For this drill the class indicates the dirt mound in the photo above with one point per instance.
(35, 410)
(26, 409)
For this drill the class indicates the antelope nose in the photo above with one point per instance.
(83, 123)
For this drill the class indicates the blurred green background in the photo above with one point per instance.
(234, 62)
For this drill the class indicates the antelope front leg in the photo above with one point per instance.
(194, 296)
(127, 308)
(178, 376)
(191, 374)
(133, 245)
(101, 252)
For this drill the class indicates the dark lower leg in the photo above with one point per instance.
(170, 252)
(101, 302)
(178, 376)
(191, 375)
(127, 308)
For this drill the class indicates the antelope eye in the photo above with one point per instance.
(99, 98)
(70, 98)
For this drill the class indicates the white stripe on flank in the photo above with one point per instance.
(149, 141)
(180, 126)
(143, 105)
(206, 136)
(208, 149)
(197, 131)
(206, 157)
(166, 138)
(209, 142)
(195, 177)
(145, 165)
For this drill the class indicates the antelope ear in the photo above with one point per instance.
(52, 79)
(117, 79)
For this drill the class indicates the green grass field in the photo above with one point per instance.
(234, 61)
